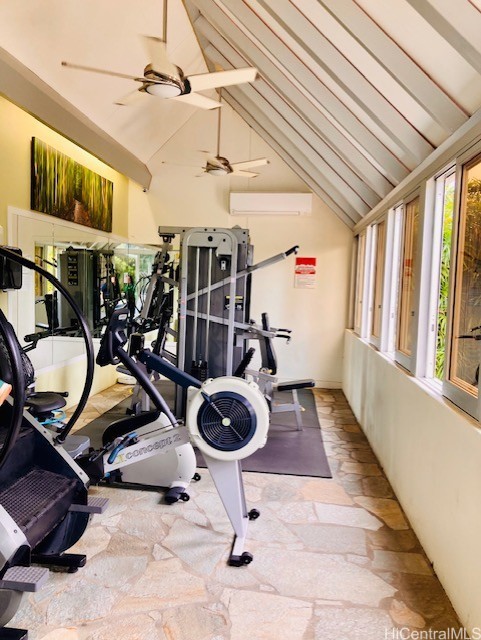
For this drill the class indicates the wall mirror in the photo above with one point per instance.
(98, 269)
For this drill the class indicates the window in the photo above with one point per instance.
(466, 320)
(378, 280)
(444, 190)
(360, 273)
(418, 282)
(408, 281)
(391, 278)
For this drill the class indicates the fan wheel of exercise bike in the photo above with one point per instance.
(227, 422)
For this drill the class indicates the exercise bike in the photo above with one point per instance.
(227, 419)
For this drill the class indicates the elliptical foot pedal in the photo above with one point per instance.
(24, 579)
(71, 561)
(8, 633)
(94, 505)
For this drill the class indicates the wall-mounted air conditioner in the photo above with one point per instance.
(273, 204)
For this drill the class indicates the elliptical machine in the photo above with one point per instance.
(44, 506)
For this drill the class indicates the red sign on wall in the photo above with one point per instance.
(305, 273)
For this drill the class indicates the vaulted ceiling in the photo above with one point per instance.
(352, 94)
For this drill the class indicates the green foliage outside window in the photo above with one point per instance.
(444, 279)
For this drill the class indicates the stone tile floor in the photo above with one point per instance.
(334, 559)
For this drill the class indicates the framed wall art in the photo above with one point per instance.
(66, 189)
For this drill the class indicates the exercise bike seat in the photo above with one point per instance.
(42, 402)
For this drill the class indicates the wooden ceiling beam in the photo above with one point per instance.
(317, 126)
(329, 181)
(310, 143)
(213, 16)
(282, 28)
(459, 23)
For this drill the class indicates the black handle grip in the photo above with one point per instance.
(292, 250)
(33, 337)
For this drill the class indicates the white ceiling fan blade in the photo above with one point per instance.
(203, 81)
(249, 164)
(196, 100)
(104, 72)
(243, 174)
(158, 58)
(130, 98)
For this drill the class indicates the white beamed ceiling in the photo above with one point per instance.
(353, 94)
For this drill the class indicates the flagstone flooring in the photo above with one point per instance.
(333, 559)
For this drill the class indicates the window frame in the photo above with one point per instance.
(391, 279)
(460, 398)
(408, 361)
(377, 339)
(363, 271)
(430, 279)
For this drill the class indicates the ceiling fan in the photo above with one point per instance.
(164, 79)
(219, 165)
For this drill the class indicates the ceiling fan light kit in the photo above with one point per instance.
(217, 171)
(163, 85)
(166, 90)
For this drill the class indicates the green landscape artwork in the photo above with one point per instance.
(64, 188)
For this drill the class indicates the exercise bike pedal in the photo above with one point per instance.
(240, 561)
(174, 494)
(196, 477)
(254, 514)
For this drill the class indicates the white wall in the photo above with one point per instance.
(178, 197)
(431, 453)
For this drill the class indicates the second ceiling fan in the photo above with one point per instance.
(164, 79)
(219, 165)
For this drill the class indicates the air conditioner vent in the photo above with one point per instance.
(272, 204)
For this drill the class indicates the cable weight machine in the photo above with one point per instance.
(210, 260)
(214, 299)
